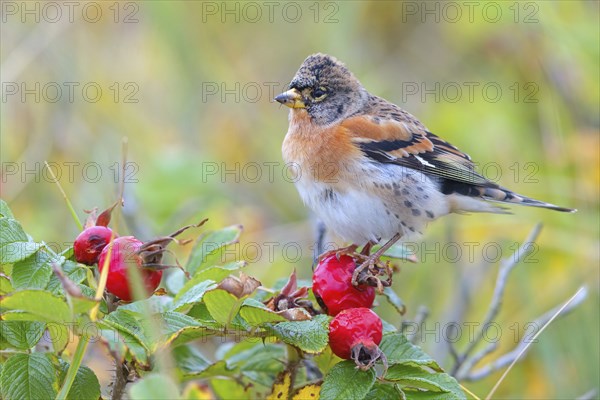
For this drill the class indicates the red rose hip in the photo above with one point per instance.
(123, 255)
(354, 334)
(90, 243)
(332, 286)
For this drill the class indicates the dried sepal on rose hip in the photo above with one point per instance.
(153, 250)
(95, 236)
(355, 334)
(333, 288)
(292, 302)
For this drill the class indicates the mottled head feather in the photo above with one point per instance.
(322, 73)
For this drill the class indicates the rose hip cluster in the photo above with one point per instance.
(100, 245)
(356, 330)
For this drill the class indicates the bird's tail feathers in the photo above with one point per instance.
(472, 202)
(503, 195)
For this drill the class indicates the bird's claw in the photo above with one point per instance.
(370, 271)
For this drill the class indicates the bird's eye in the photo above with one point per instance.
(319, 93)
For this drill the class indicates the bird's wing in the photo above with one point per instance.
(395, 137)
(388, 134)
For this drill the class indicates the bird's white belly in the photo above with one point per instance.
(355, 216)
(361, 214)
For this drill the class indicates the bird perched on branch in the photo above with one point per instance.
(372, 171)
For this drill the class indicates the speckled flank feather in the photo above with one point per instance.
(369, 169)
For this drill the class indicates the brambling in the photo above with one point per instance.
(370, 170)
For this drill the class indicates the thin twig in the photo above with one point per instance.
(64, 195)
(506, 266)
(420, 317)
(589, 395)
(526, 341)
(466, 390)
(576, 299)
(472, 361)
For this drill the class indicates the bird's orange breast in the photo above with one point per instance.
(325, 154)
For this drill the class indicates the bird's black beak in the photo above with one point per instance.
(292, 99)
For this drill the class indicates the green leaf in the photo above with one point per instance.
(399, 251)
(191, 294)
(423, 395)
(130, 322)
(394, 300)
(258, 357)
(209, 248)
(200, 312)
(5, 285)
(345, 381)
(326, 360)
(17, 251)
(34, 272)
(154, 386)
(35, 305)
(229, 389)
(85, 386)
(222, 305)
(189, 359)
(173, 323)
(119, 342)
(126, 329)
(218, 272)
(15, 245)
(310, 336)
(255, 313)
(82, 304)
(154, 304)
(399, 350)
(174, 281)
(28, 376)
(21, 335)
(69, 254)
(388, 328)
(418, 378)
(5, 210)
(383, 391)
(59, 336)
(72, 270)
(189, 334)
(219, 368)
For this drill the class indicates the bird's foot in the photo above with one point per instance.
(371, 271)
(371, 268)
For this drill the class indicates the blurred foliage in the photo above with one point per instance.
(177, 52)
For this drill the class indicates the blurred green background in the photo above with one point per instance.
(190, 83)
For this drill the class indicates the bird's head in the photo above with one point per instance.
(325, 89)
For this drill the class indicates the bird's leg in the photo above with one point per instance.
(366, 250)
(319, 244)
(368, 271)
